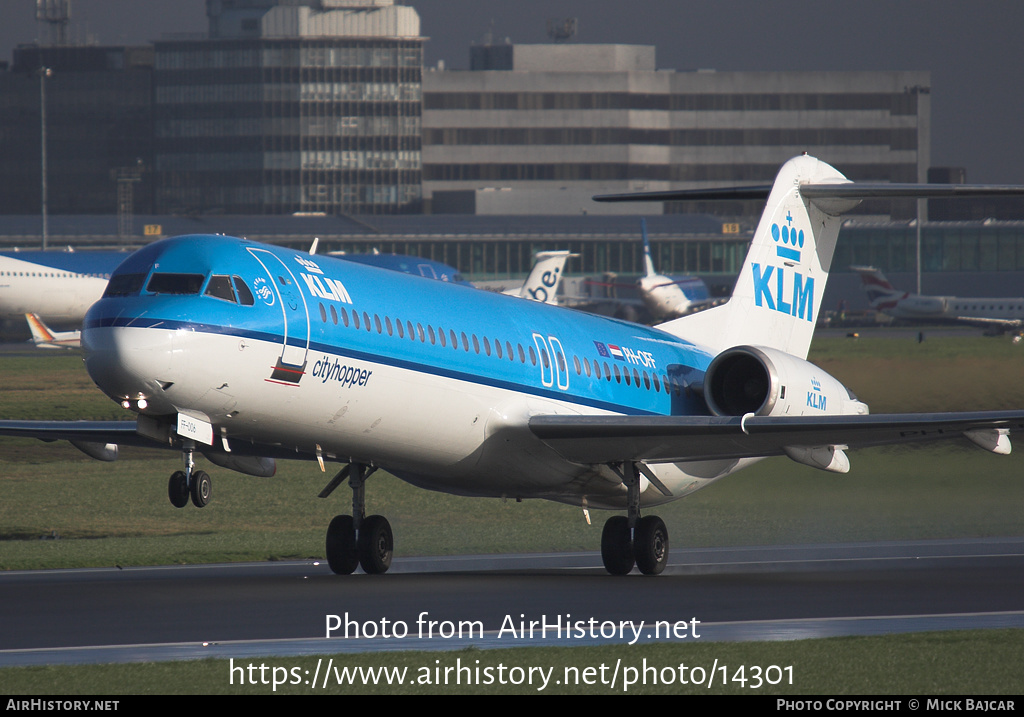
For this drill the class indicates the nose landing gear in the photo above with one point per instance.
(189, 483)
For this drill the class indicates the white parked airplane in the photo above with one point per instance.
(247, 353)
(667, 298)
(57, 286)
(1003, 314)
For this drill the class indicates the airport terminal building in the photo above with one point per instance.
(293, 108)
(325, 106)
(540, 128)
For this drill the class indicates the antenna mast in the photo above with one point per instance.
(56, 14)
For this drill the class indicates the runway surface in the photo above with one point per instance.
(283, 608)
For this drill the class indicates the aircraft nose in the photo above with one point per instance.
(129, 363)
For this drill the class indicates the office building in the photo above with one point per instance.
(531, 128)
(305, 106)
(99, 126)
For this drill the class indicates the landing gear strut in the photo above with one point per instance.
(358, 539)
(631, 539)
(189, 483)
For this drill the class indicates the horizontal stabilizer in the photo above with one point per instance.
(832, 190)
(691, 195)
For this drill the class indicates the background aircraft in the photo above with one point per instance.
(44, 338)
(1001, 314)
(545, 277)
(57, 286)
(474, 393)
(660, 297)
(668, 298)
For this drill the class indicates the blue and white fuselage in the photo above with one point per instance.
(426, 380)
(247, 353)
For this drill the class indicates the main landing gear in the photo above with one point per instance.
(629, 539)
(357, 539)
(189, 483)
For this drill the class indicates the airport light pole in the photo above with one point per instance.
(44, 72)
(920, 214)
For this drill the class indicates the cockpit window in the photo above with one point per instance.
(124, 285)
(175, 283)
(245, 297)
(220, 287)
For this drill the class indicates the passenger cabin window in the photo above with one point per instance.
(125, 285)
(180, 284)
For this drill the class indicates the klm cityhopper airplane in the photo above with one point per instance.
(248, 353)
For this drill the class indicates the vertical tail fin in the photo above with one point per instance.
(880, 292)
(44, 338)
(648, 262)
(870, 276)
(779, 290)
(40, 332)
(542, 283)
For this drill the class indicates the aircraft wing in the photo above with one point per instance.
(983, 321)
(133, 433)
(669, 439)
(120, 432)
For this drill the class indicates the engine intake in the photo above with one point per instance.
(740, 381)
(769, 382)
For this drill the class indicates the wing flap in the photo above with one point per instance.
(671, 439)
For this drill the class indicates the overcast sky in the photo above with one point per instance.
(973, 48)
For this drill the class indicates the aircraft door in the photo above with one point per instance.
(560, 364)
(543, 356)
(294, 314)
(553, 365)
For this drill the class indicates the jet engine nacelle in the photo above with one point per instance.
(768, 382)
(99, 451)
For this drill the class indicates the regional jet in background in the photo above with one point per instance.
(660, 297)
(248, 353)
(668, 298)
(1000, 314)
